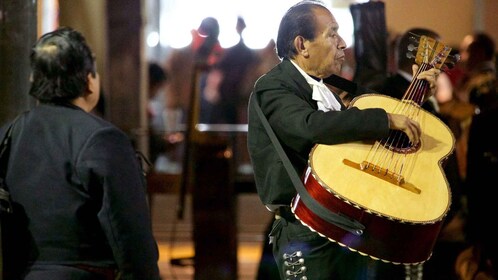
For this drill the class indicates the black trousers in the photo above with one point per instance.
(303, 254)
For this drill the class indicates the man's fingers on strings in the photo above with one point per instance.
(415, 132)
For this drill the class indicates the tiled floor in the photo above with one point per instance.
(175, 235)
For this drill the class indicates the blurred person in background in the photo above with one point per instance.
(165, 135)
(230, 82)
(189, 67)
(475, 71)
(480, 259)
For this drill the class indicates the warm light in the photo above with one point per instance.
(48, 13)
(262, 18)
(153, 39)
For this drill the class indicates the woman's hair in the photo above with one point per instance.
(61, 61)
(157, 75)
(481, 49)
(299, 20)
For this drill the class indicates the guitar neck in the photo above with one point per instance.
(418, 87)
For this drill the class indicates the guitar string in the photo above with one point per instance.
(386, 153)
(387, 157)
(395, 138)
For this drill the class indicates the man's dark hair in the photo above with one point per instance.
(61, 61)
(299, 20)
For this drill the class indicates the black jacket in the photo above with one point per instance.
(286, 100)
(77, 181)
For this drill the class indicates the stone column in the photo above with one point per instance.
(17, 36)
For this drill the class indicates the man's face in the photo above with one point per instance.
(326, 51)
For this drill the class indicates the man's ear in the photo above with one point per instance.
(299, 44)
(90, 82)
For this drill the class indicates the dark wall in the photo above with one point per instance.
(124, 64)
(113, 30)
(17, 35)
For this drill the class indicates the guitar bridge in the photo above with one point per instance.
(382, 174)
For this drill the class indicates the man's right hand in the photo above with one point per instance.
(410, 127)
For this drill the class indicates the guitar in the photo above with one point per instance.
(398, 191)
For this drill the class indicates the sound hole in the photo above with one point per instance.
(399, 142)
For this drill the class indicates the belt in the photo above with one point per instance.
(106, 273)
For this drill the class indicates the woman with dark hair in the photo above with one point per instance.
(480, 259)
(74, 178)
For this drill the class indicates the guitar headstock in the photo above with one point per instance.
(432, 52)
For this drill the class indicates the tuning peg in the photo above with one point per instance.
(411, 47)
(410, 55)
(414, 38)
(456, 57)
(450, 65)
(452, 60)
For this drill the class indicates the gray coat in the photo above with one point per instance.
(77, 181)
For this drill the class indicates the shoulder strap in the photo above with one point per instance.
(337, 219)
(4, 158)
(4, 151)
(5, 203)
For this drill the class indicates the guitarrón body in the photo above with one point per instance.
(400, 194)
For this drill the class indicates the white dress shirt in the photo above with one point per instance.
(325, 99)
